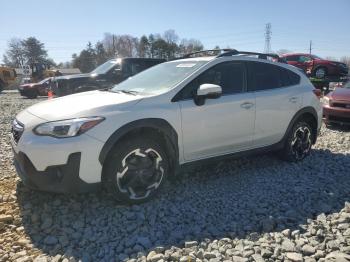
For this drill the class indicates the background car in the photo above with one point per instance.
(32, 90)
(104, 76)
(317, 67)
(336, 106)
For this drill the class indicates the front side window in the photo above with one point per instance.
(228, 75)
(292, 58)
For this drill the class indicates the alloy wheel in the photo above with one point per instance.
(142, 173)
(301, 142)
(320, 73)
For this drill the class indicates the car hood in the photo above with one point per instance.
(94, 103)
(340, 94)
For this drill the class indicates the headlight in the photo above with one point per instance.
(325, 100)
(67, 128)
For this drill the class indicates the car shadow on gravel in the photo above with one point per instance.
(234, 198)
(339, 127)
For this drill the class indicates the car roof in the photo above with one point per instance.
(194, 59)
(292, 54)
(138, 58)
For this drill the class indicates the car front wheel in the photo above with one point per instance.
(299, 142)
(136, 170)
(320, 73)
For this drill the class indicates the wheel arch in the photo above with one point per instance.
(308, 114)
(156, 126)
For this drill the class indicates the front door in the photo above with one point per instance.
(223, 125)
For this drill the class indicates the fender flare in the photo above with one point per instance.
(158, 124)
(305, 110)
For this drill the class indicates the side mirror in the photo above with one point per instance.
(207, 91)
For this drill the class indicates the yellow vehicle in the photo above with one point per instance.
(7, 76)
(41, 71)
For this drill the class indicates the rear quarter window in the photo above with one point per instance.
(288, 78)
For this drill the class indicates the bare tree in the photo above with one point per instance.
(346, 60)
(170, 36)
(15, 54)
(120, 45)
(189, 45)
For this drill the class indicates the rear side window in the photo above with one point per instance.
(294, 58)
(263, 76)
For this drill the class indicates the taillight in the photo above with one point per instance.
(317, 93)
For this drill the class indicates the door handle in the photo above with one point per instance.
(247, 105)
(293, 99)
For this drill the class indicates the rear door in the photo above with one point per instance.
(277, 100)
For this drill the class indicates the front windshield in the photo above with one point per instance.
(104, 68)
(43, 81)
(316, 57)
(159, 78)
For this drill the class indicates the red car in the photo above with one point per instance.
(32, 90)
(317, 67)
(336, 106)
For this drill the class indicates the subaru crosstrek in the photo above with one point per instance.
(136, 135)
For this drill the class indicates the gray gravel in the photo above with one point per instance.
(252, 209)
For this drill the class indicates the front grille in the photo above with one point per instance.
(17, 130)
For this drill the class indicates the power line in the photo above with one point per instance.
(268, 34)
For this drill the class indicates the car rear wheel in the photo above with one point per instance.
(1, 86)
(136, 170)
(299, 142)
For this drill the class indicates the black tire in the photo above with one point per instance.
(298, 143)
(32, 96)
(136, 169)
(320, 72)
(2, 86)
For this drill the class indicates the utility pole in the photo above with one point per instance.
(113, 45)
(268, 34)
(310, 48)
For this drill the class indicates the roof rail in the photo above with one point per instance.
(225, 50)
(260, 55)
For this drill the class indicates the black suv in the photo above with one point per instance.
(104, 76)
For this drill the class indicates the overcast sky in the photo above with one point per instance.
(65, 26)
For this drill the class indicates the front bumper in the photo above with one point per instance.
(39, 157)
(59, 179)
(336, 115)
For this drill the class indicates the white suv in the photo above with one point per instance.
(136, 135)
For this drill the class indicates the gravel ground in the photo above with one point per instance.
(252, 209)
